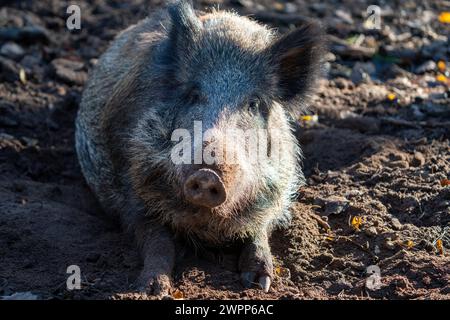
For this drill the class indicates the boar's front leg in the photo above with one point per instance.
(255, 262)
(158, 251)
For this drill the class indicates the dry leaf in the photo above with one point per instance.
(441, 66)
(409, 244)
(441, 78)
(444, 17)
(177, 294)
(356, 222)
(440, 246)
(391, 96)
(310, 118)
(283, 272)
(330, 237)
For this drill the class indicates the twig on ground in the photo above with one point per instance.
(320, 221)
(343, 48)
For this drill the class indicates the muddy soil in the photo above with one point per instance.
(377, 160)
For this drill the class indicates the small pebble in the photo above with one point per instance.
(12, 50)
(389, 245)
(418, 159)
(333, 204)
(426, 67)
(371, 232)
(396, 224)
(399, 164)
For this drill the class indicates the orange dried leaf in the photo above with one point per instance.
(177, 294)
(391, 96)
(445, 182)
(441, 78)
(330, 237)
(440, 246)
(409, 244)
(444, 17)
(441, 66)
(356, 222)
(282, 272)
(310, 118)
(277, 271)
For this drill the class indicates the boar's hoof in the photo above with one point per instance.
(256, 267)
(154, 284)
(248, 279)
(205, 188)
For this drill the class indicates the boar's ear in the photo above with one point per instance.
(185, 24)
(297, 58)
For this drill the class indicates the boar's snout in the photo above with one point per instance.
(205, 188)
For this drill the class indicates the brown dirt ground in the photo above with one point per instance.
(380, 163)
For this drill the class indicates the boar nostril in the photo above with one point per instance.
(205, 188)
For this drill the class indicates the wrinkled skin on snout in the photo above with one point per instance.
(175, 70)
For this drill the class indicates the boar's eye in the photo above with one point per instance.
(257, 106)
(253, 105)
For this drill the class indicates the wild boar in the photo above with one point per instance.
(173, 70)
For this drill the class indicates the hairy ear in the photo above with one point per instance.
(297, 58)
(185, 24)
